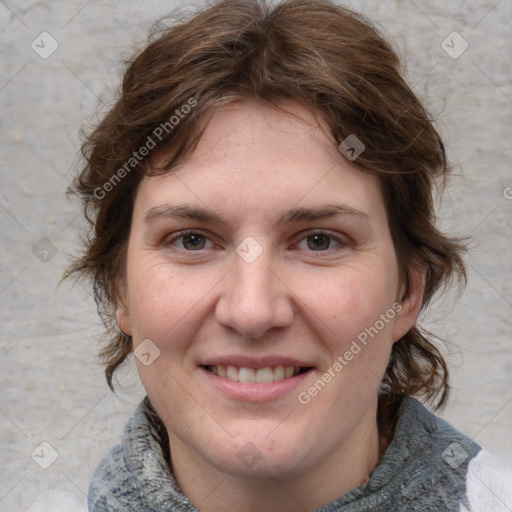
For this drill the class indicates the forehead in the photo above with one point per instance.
(258, 159)
(248, 125)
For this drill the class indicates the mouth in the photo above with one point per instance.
(263, 379)
(266, 375)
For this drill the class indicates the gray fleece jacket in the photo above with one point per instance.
(425, 468)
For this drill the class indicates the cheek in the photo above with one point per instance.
(353, 316)
(152, 302)
(350, 300)
(163, 301)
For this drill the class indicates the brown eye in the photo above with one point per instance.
(193, 242)
(318, 242)
(189, 241)
(322, 242)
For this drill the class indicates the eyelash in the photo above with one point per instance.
(340, 243)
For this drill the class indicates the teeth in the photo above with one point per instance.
(246, 375)
(279, 373)
(264, 376)
(250, 375)
(232, 373)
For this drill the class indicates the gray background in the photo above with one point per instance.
(52, 388)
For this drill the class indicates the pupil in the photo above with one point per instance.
(319, 242)
(193, 241)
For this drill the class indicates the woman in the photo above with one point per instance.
(263, 240)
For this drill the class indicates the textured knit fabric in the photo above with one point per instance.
(423, 469)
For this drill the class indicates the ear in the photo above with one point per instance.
(122, 311)
(409, 305)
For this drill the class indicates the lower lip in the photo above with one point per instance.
(254, 392)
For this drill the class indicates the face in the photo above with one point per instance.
(262, 290)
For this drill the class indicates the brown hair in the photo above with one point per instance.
(324, 55)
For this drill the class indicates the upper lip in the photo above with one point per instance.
(255, 362)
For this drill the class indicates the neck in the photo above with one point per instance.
(348, 466)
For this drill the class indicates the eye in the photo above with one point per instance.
(191, 241)
(319, 242)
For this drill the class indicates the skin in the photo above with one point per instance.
(297, 299)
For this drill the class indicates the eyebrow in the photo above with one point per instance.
(323, 212)
(293, 215)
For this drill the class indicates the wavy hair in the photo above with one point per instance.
(324, 55)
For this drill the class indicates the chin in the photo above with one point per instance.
(262, 456)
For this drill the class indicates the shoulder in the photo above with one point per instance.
(110, 479)
(489, 484)
(135, 475)
(455, 471)
(431, 438)
(427, 461)
(114, 482)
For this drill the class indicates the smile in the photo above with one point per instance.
(265, 375)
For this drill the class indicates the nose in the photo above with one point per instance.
(254, 299)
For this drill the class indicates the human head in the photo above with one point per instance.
(323, 55)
